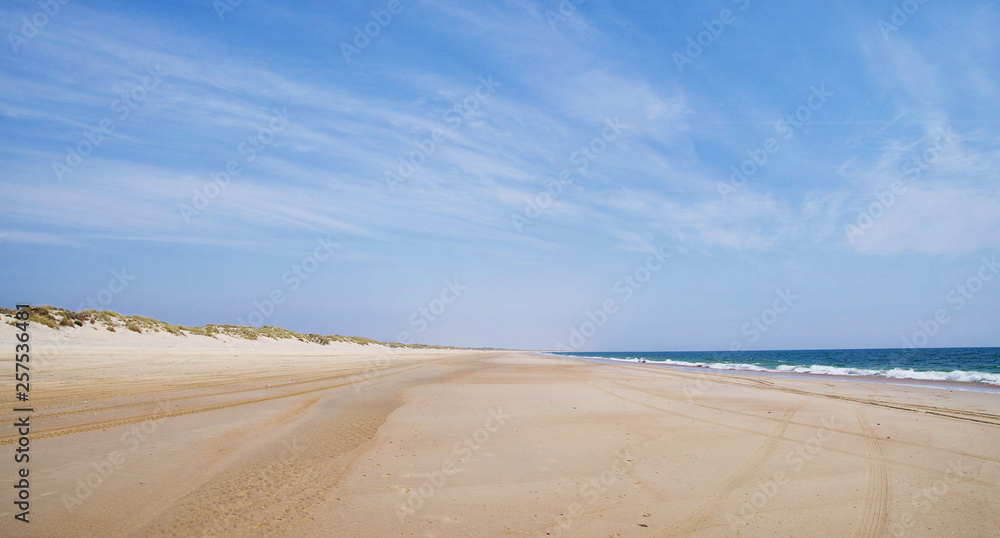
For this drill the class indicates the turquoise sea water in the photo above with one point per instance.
(976, 365)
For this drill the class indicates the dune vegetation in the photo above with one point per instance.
(58, 318)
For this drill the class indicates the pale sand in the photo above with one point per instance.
(287, 438)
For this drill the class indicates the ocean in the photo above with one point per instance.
(974, 365)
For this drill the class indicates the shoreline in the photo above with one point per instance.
(915, 382)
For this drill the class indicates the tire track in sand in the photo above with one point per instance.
(11, 439)
(276, 383)
(875, 512)
(736, 478)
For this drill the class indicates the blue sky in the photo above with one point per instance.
(501, 173)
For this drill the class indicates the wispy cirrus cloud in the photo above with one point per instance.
(557, 86)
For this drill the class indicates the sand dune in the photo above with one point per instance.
(155, 434)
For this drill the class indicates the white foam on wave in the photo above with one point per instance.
(954, 375)
(828, 370)
(738, 366)
(898, 373)
(895, 373)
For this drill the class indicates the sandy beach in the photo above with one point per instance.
(153, 434)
